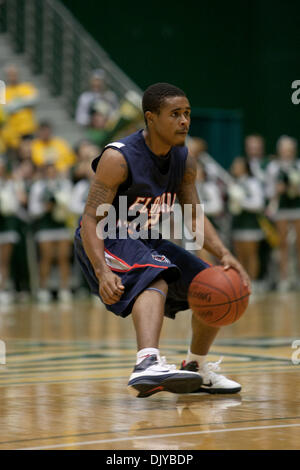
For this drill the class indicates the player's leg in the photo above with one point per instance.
(202, 335)
(148, 314)
(151, 373)
(144, 297)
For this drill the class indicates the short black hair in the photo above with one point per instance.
(155, 95)
(46, 124)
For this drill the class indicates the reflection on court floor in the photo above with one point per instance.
(67, 367)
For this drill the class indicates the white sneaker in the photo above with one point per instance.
(212, 382)
(154, 375)
(65, 296)
(43, 296)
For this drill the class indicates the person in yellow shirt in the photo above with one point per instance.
(21, 99)
(2, 121)
(47, 149)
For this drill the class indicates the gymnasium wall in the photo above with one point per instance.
(240, 55)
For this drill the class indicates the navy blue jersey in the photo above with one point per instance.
(152, 181)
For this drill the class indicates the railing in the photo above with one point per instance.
(58, 47)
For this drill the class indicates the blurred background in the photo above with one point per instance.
(75, 73)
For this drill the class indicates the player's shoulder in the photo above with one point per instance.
(127, 141)
(118, 149)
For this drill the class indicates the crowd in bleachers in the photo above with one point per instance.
(44, 184)
(255, 207)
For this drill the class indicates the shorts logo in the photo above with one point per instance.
(161, 259)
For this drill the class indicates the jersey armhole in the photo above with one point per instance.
(126, 184)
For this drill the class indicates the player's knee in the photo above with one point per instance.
(160, 283)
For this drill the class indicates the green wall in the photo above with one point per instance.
(240, 55)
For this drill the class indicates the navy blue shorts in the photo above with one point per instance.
(140, 262)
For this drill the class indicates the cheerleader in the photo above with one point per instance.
(9, 225)
(210, 195)
(286, 201)
(49, 201)
(81, 189)
(246, 203)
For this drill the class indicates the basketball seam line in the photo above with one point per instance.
(225, 303)
(200, 283)
(234, 293)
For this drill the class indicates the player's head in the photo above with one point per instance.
(167, 113)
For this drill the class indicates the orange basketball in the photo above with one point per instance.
(218, 297)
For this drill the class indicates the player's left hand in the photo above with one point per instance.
(229, 261)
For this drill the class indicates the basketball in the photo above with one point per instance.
(218, 297)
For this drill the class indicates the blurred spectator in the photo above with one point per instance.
(246, 202)
(255, 154)
(98, 94)
(49, 205)
(96, 130)
(11, 195)
(79, 196)
(81, 189)
(21, 99)
(258, 163)
(286, 173)
(211, 196)
(24, 151)
(85, 151)
(198, 149)
(2, 121)
(47, 149)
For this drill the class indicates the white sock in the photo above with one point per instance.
(143, 353)
(195, 357)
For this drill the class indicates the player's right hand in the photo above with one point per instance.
(110, 288)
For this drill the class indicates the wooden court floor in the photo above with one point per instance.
(67, 367)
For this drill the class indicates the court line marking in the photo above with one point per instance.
(68, 436)
(7, 383)
(159, 436)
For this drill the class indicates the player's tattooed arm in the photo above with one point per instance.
(100, 193)
(112, 171)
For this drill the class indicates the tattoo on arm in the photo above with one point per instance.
(109, 176)
(99, 194)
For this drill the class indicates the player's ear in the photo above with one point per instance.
(149, 118)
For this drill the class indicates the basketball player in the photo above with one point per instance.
(144, 277)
